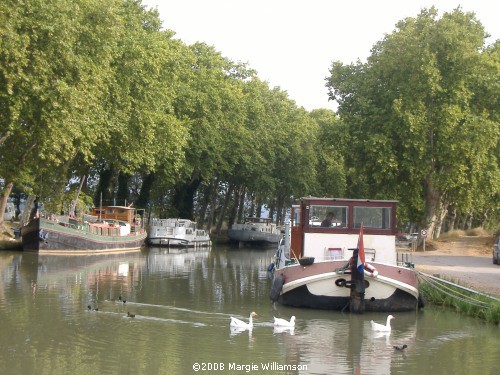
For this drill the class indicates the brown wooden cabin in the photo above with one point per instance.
(122, 213)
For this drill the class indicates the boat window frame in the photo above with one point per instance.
(318, 213)
(384, 218)
(306, 202)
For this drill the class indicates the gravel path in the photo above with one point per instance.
(466, 260)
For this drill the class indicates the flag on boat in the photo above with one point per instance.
(361, 252)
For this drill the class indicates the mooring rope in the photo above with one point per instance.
(440, 285)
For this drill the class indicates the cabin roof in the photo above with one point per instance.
(120, 207)
(346, 200)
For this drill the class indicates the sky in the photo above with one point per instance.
(292, 43)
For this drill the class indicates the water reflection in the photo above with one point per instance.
(183, 300)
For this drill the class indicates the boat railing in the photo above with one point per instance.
(334, 253)
(337, 253)
(405, 260)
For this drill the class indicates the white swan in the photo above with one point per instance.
(380, 327)
(241, 324)
(284, 323)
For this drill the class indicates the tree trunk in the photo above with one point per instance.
(4, 198)
(452, 219)
(442, 212)
(23, 219)
(105, 189)
(241, 206)
(468, 224)
(484, 218)
(204, 206)
(435, 210)
(280, 210)
(234, 207)
(252, 205)
(183, 198)
(122, 193)
(75, 202)
(222, 213)
(213, 206)
(145, 193)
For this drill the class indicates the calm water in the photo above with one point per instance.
(183, 301)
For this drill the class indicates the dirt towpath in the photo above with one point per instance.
(467, 260)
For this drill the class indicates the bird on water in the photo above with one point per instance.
(382, 328)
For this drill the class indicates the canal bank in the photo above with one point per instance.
(466, 260)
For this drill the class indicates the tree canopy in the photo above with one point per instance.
(99, 94)
(423, 117)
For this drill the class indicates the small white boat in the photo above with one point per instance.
(255, 231)
(177, 232)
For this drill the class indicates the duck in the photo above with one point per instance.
(129, 315)
(120, 300)
(400, 347)
(284, 323)
(380, 327)
(91, 309)
(237, 323)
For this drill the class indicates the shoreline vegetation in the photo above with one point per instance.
(453, 292)
(461, 300)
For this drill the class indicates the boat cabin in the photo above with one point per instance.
(122, 213)
(330, 227)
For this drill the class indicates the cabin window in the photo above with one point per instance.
(337, 216)
(372, 217)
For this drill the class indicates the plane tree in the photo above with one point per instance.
(422, 129)
(211, 105)
(54, 60)
(330, 171)
(142, 131)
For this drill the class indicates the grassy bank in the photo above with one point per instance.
(461, 299)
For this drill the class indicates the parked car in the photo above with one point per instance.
(10, 212)
(496, 251)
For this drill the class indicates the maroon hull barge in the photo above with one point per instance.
(334, 280)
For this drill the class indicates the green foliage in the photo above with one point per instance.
(331, 148)
(420, 127)
(99, 88)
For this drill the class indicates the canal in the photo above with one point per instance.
(182, 302)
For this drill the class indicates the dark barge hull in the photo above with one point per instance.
(248, 237)
(399, 301)
(317, 286)
(42, 235)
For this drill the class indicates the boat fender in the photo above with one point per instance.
(370, 270)
(421, 301)
(270, 268)
(349, 283)
(276, 288)
(340, 282)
